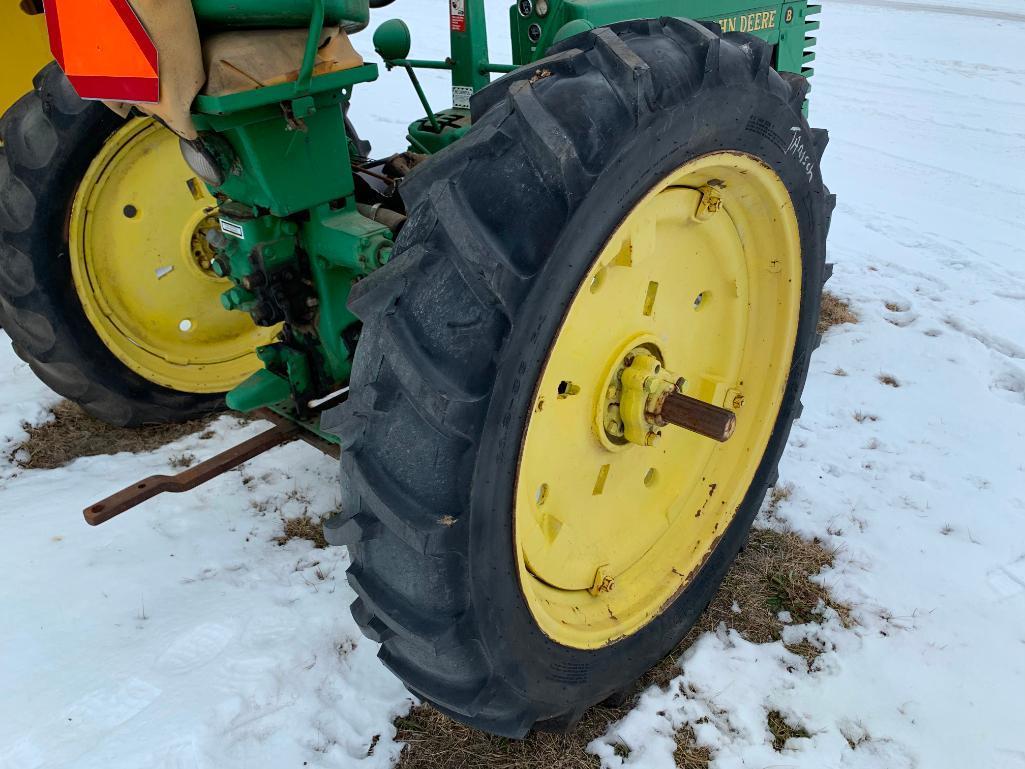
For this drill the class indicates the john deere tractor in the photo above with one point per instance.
(558, 339)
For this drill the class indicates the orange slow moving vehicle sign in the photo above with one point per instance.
(103, 49)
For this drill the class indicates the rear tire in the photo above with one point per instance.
(50, 137)
(502, 228)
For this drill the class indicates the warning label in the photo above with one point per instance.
(457, 15)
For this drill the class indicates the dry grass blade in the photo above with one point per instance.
(771, 575)
(72, 434)
(834, 312)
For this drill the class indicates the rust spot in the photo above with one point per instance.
(689, 578)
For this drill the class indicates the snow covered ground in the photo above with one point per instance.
(181, 636)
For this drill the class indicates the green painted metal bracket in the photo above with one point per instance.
(332, 87)
(305, 78)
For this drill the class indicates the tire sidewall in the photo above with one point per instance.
(745, 119)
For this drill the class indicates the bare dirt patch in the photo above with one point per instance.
(772, 574)
(834, 312)
(72, 434)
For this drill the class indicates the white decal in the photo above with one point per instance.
(461, 96)
(230, 228)
(797, 148)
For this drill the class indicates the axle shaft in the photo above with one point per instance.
(697, 416)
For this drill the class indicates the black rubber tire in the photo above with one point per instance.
(50, 136)
(502, 228)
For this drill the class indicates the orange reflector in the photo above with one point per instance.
(103, 49)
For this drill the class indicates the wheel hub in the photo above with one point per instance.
(630, 405)
(201, 251)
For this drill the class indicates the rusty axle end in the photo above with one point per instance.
(697, 416)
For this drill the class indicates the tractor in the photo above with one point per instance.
(558, 340)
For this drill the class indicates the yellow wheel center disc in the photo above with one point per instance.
(706, 273)
(140, 263)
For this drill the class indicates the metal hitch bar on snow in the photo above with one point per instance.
(284, 431)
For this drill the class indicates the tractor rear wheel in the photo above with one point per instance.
(105, 281)
(523, 544)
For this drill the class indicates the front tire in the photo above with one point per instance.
(502, 238)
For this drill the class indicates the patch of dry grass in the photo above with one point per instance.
(889, 380)
(771, 575)
(835, 311)
(782, 730)
(688, 755)
(302, 527)
(72, 434)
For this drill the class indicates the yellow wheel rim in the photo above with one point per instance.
(141, 266)
(704, 273)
